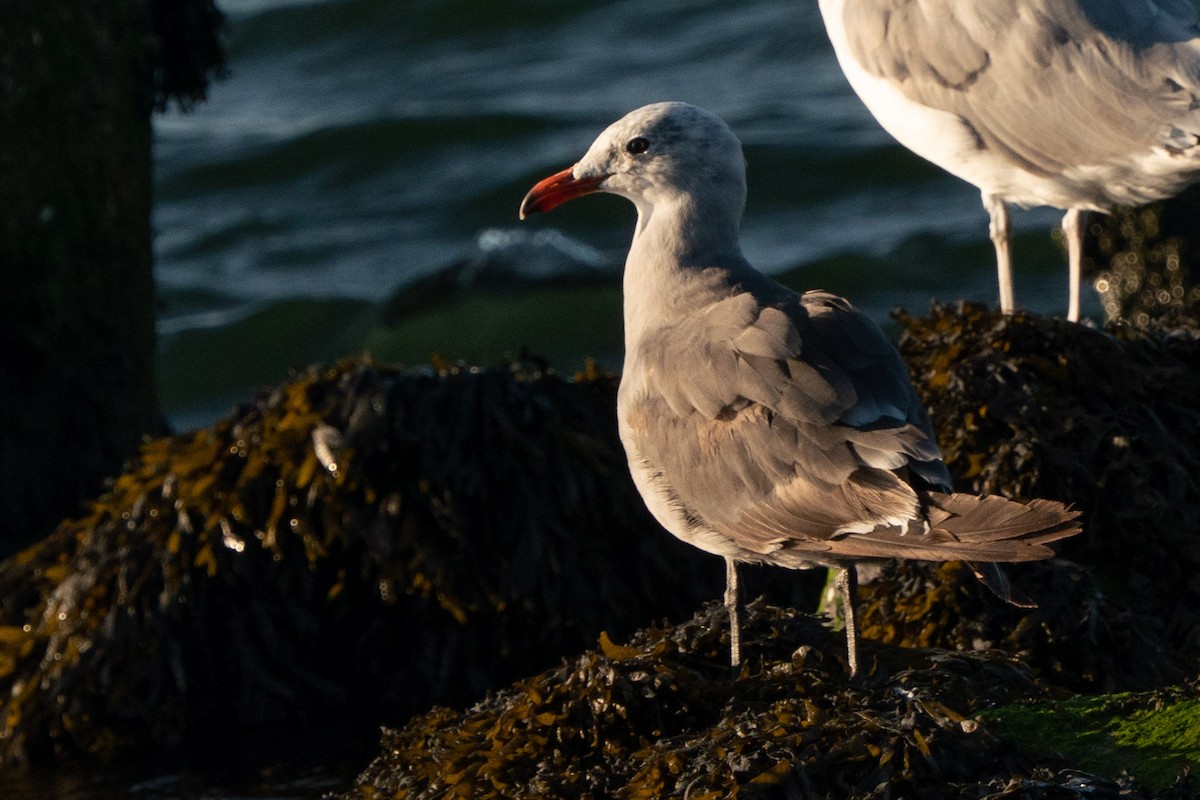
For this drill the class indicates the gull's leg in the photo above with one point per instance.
(1000, 229)
(847, 582)
(1072, 226)
(733, 609)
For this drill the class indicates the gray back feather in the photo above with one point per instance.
(777, 418)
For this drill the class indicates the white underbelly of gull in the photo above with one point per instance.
(1082, 105)
(763, 425)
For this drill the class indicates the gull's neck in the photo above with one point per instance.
(685, 255)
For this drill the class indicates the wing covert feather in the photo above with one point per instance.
(748, 419)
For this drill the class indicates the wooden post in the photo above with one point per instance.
(76, 291)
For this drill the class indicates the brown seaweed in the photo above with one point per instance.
(362, 539)
(660, 717)
(1109, 421)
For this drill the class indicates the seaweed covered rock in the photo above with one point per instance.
(660, 717)
(362, 538)
(1031, 407)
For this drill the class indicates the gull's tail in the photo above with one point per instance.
(965, 527)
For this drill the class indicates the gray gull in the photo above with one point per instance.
(763, 425)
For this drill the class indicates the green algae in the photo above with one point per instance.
(1155, 737)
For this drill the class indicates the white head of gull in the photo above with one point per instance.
(763, 425)
(1082, 105)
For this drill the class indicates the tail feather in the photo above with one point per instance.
(993, 519)
(964, 527)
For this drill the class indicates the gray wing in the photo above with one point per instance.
(1029, 75)
(781, 425)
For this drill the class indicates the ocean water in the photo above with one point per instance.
(353, 184)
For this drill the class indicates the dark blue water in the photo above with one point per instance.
(359, 146)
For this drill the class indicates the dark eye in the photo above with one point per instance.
(637, 145)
